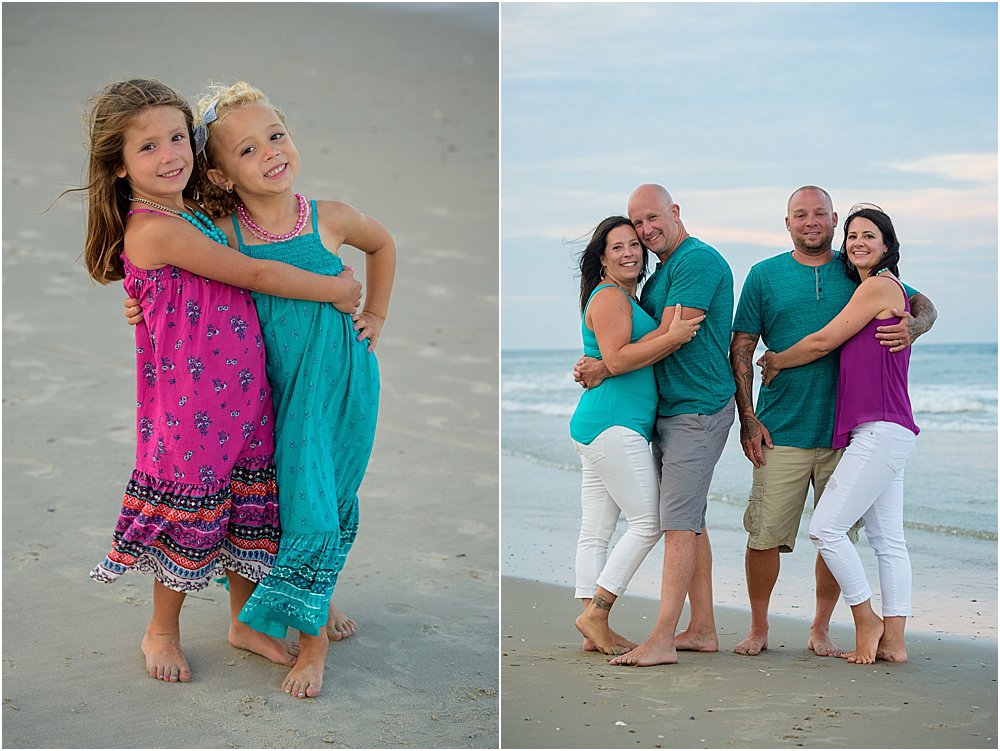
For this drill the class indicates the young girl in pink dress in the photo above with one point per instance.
(202, 499)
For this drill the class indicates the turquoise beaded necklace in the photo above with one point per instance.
(196, 219)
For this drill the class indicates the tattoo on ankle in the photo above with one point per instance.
(600, 603)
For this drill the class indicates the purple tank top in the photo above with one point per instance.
(872, 385)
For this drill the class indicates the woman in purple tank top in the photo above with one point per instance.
(874, 421)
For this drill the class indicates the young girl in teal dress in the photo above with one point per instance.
(201, 499)
(320, 361)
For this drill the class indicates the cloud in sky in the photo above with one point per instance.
(972, 167)
(732, 106)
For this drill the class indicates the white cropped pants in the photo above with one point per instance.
(618, 477)
(868, 484)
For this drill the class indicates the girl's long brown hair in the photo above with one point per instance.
(112, 111)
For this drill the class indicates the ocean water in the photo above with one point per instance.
(951, 481)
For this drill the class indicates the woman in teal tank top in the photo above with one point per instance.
(613, 424)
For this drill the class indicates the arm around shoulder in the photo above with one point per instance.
(154, 244)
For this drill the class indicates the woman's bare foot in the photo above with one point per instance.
(868, 634)
(696, 641)
(339, 626)
(892, 645)
(306, 678)
(596, 631)
(621, 641)
(165, 660)
(242, 636)
(650, 652)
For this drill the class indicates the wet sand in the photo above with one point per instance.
(555, 695)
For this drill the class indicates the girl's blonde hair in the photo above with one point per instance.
(112, 111)
(223, 100)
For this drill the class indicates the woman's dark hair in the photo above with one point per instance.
(590, 258)
(881, 220)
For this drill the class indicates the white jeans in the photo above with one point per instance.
(618, 476)
(868, 484)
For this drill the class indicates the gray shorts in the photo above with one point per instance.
(686, 449)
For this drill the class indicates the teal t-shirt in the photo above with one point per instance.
(783, 301)
(628, 400)
(696, 379)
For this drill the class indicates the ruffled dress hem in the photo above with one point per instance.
(186, 534)
(297, 591)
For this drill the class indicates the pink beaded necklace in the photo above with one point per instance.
(262, 234)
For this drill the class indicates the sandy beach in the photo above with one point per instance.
(394, 110)
(555, 695)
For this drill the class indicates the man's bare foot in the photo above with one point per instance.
(821, 643)
(753, 643)
(867, 639)
(164, 659)
(696, 641)
(242, 636)
(339, 626)
(648, 653)
(306, 678)
(598, 633)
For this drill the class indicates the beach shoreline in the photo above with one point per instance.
(954, 580)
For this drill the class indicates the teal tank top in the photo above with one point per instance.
(628, 400)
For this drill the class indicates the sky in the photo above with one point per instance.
(731, 106)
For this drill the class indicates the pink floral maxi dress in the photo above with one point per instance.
(202, 497)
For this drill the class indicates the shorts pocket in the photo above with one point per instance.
(752, 516)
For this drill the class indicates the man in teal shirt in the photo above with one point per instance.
(694, 414)
(788, 438)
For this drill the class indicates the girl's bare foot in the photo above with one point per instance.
(164, 659)
(242, 636)
(339, 626)
(306, 678)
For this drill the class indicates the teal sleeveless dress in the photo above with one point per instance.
(325, 388)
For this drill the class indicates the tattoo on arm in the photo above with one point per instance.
(741, 360)
(923, 314)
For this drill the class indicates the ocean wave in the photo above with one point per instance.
(549, 409)
(540, 384)
(941, 400)
(739, 501)
(535, 459)
(955, 426)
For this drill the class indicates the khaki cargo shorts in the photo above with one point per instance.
(779, 491)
